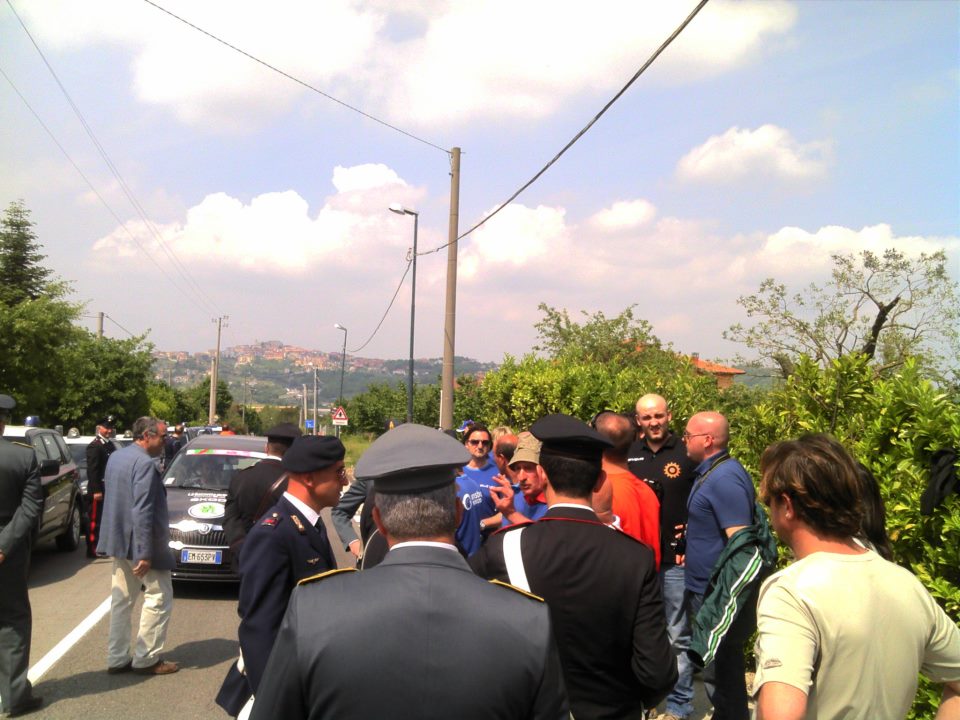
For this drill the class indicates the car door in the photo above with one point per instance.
(52, 509)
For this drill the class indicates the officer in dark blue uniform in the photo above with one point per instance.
(21, 498)
(288, 544)
(98, 452)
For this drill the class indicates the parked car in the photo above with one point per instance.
(77, 444)
(197, 482)
(61, 517)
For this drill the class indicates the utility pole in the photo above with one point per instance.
(450, 310)
(314, 400)
(215, 370)
(99, 326)
(243, 406)
(303, 406)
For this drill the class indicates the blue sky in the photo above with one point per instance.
(769, 135)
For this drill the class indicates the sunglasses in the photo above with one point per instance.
(478, 443)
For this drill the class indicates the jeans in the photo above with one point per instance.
(723, 678)
(680, 699)
(154, 617)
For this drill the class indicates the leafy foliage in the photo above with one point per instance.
(198, 400)
(22, 277)
(371, 411)
(887, 307)
(599, 339)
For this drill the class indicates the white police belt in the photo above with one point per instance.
(514, 559)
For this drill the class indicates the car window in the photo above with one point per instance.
(65, 456)
(51, 447)
(209, 469)
(40, 447)
(79, 453)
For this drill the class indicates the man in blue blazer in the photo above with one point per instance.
(136, 534)
(287, 544)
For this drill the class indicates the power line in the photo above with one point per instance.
(93, 189)
(297, 80)
(169, 252)
(580, 134)
(119, 325)
(377, 329)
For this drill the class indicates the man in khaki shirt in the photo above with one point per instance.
(842, 633)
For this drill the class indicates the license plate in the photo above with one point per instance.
(207, 557)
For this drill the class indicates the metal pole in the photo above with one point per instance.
(314, 401)
(343, 364)
(413, 311)
(450, 311)
(99, 325)
(215, 372)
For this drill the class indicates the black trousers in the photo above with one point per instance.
(16, 626)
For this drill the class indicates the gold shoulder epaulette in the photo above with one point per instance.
(28, 446)
(328, 573)
(516, 589)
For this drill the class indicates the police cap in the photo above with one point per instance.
(411, 459)
(310, 453)
(568, 437)
(284, 432)
(109, 422)
(7, 404)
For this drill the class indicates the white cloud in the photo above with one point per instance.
(276, 232)
(764, 153)
(624, 215)
(495, 59)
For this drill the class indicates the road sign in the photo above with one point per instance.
(308, 423)
(339, 417)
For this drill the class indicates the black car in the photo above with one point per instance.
(61, 517)
(197, 483)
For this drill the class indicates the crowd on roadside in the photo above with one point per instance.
(621, 557)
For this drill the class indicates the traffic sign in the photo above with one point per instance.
(308, 423)
(339, 417)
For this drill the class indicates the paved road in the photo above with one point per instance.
(67, 588)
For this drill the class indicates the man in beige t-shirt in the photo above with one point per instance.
(842, 633)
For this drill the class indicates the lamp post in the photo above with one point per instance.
(343, 359)
(400, 210)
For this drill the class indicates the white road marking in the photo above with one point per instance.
(61, 648)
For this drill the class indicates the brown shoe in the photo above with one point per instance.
(127, 667)
(161, 667)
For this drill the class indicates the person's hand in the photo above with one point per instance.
(502, 495)
(141, 568)
(354, 547)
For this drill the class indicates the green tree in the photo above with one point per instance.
(167, 402)
(597, 339)
(198, 400)
(372, 410)
(22, 277)
(106, 376)
(887, 307)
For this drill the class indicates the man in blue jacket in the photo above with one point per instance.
(136, 534)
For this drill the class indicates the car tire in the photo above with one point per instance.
(70, 539)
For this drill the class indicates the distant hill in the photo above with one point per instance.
(272, 373)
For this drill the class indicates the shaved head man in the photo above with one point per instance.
(659, 458)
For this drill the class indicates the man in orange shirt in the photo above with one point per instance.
(635, 504)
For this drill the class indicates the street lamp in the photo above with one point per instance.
(400, 210)
(343, 359)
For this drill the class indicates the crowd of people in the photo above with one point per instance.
(572, 569)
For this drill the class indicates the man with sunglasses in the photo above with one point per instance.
(289, 543)
(473, 489)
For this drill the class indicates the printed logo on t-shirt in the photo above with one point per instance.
(472, 499)
(672, 470)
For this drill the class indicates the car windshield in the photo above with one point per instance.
(209, 468)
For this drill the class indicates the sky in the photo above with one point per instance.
(768, 136)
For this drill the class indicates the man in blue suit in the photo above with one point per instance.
(136, 534)
(288, 543)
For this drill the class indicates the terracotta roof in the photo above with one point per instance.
(714, 368)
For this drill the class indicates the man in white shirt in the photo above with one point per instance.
(842, 633)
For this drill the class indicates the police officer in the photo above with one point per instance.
(288, 544)
(253, 489)
(601, 584)
(98, 452)
(418, 636)
(21, 497)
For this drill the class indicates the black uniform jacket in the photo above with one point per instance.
(604, 597)
(418, 636)
(244, 496)
(98, 452)
(280, 550)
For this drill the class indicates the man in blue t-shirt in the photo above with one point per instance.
(721, 503)
(481, 468)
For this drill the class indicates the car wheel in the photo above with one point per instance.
(70, 539)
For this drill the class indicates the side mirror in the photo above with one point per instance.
(49, 467)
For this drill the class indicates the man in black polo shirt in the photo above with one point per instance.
(659, 458)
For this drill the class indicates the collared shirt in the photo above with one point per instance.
(309, 514)
(425, 543)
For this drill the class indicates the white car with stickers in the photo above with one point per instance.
(197, 482)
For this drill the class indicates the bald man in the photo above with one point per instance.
(721, 504)
(659, 458)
